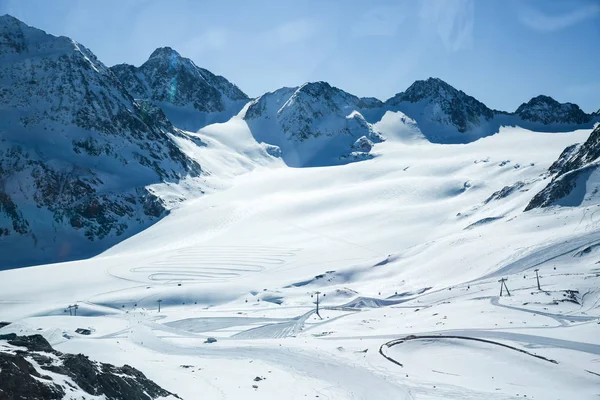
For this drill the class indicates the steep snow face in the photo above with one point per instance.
(576, 176)
(76, 151)
(314, 124)
(192, 97)
(546, 110)
(443, 113)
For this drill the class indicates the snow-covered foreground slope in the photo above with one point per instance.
(412, 242)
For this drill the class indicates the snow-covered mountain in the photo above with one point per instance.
(448, 115)
(547, 111)
(402, 253)
(443, 113)
(576, 177)
(543, 113)
(191, 97)
(76, 151)
(315, 124)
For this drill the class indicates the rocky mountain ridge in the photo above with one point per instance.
(314, 124)
(81, 144)
(575, 176)
(190, 96)
(77, 151)
(31, 369)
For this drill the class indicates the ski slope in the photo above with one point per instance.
(411, 242)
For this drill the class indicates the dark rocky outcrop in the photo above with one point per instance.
(573, 167)
(29, 368)
(456, 108)
(191, 96)
(546, 110)
(76, 151)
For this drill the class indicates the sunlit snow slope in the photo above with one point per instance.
(411, 242)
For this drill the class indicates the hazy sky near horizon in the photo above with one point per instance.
(503, 52)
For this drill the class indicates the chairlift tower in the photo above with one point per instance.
(503, 285)
(317, 293)
(537, 277)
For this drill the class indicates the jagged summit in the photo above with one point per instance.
(69, 129)
(8, 20)
(190, 96)
(16, 37)
(576, 178)
(164, 52)
(421, 89)
(444, 113)
(323, 91)
(544, 109)
(314, 124)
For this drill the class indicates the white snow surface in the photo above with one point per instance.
(384, 241)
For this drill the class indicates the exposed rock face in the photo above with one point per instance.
(505, 192)
(76, 151)
(546, 110)
(572, 170)
(31, 369)
(191, 96)
(314, 124)
(436, 105)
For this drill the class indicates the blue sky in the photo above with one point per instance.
(503, 52)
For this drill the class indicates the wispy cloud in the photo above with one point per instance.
(210, 40)
(583, 89)
(291, 32)
(380, 21)
(452, 19)
(543, 22)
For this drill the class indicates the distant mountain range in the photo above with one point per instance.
(81, 143)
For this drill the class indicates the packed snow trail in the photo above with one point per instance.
(358, 382)
(277, 330)
(562, 319)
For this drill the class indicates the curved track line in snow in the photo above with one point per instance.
(560, 318)
(206, 264)
(437, 337)
(358, 382)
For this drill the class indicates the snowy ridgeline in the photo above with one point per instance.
(92, 155)
(215, 253)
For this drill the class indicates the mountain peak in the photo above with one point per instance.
(544, 109)
(8, 19)
(431, 87)
(543, 97)
(315, 85)
(164, 52)
(437, 103)
(186, 93)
